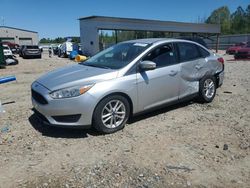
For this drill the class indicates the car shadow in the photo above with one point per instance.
(59, 132)
(157, 111)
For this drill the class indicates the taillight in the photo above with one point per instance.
(221, 60)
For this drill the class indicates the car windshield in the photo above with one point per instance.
(5, 48)
(117, 56)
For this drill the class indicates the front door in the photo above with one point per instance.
(161, 85)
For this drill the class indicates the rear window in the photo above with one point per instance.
(32, 47)
(6, 48)
(204, 53)
(188, 51)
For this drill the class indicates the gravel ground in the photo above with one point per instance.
(186, 145)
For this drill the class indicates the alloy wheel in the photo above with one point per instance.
(113, 114)
(209, 88)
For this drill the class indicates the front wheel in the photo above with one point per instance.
(207, 89)
(111, 114)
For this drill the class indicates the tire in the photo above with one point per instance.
(117, 119)
(206, 92)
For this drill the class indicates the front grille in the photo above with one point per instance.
(40, 116)
(38, 97)
(68, 118)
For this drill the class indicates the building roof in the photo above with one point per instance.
(169, 25)
(17, 29)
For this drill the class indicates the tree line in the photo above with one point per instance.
(237, 22)
(59, 40)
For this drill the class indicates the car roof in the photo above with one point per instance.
(157, 40)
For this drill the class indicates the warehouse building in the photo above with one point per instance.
(18, 36)
(90, 27)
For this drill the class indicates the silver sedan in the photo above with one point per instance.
(126, 79)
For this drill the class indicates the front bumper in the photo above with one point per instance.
(220, 78)
(58, 112)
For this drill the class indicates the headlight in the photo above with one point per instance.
(70, 92)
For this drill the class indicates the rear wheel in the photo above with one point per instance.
(111, 114)
(207, 89)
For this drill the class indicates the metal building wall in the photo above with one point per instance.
(89, 27)
(18, 36)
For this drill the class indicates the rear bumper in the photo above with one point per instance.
(32, 54)
(220, 78)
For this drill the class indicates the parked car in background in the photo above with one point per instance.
(243, 52)
(76, 51)
(65, 49)
(6, 51)
(13, 47)
(30, 51)
(233, 49)
(41, 49)
(126, 79)
(20, 51)
(59, 50)
(9, 58)
(55, 49)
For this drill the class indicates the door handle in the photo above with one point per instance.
(198, 67)
(173, 73)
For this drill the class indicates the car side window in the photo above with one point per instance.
(188, 51)
(162, 56)
(204, 53)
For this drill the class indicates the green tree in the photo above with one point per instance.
(247, 15)
(43, 40)
(75, 39)
(238, 19)
(221, 16)
(59, 40)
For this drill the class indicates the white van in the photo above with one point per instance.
(66, 48)
(6, 50)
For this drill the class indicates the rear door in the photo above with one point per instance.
(161, 85)
(191, 68)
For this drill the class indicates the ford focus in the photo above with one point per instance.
(126, 79)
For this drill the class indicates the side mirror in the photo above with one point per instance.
(147, 65)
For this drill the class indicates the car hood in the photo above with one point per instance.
(75, 75)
